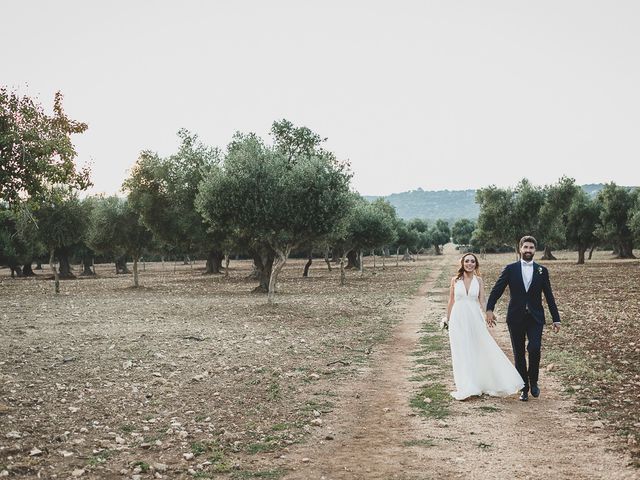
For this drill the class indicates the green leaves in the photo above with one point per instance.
(35, 148)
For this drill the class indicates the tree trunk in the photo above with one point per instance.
(87, 263)
(263, 264)
(214, 262)
(327, 260)
(383, 255)
(280, 260)
(397, 255)
(626, 250)
(593, 247)
(135, 271)
(581, 251)
(373, 252)
(547, 254)
(121, 265)
(65, 266)
(352, 258)
(38, 265)
(437, 249)
(360, 262)
(16, 271)
(305, 273)
(27, 271)
(226, 264)
(56, 278)
(407, 256)
(343, 279)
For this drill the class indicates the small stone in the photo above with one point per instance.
(427, 400)
(78, 472)
(83, 430)
(124, 471)
(306, 460)
(35, 452)
(161, 467)
(187, 456)
(136, 477)
(127, 365)
(145, 445)
(192, 471)
(157, 475)
(4, 473)
(598, 424)
(314, 376)
(316, 413)
(73, 409)
(551, 367)
(329, 437)
(316, 421)
(13, 434)
(442, 424)
(137, 470)
(120, 440)
(66, 453)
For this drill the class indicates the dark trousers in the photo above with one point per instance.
(526, 329)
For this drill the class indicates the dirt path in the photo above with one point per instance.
(375, 434)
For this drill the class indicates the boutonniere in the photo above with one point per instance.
(540, 270)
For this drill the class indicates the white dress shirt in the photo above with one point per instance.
(527, 273)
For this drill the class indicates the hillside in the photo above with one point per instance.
(448, 205)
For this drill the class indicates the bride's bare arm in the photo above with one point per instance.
(481, 297)
(451, 297)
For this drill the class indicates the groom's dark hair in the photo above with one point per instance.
(530, 239)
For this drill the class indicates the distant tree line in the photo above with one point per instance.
(560, 216)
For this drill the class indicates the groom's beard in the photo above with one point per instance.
(527, 256)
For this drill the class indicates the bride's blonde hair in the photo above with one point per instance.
(461, 269)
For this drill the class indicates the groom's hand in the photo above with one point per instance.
(491, 319)
(555, 327)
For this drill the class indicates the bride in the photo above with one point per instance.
(479, 365)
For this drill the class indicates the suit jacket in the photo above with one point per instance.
(523, 301)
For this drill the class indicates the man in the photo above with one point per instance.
(525, 316)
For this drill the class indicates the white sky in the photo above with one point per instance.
(432, 94)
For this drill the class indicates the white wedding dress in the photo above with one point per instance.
(479, 365)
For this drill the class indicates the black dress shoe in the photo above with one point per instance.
(535, 390)
(524, 396)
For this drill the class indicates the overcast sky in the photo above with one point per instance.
(437, 95)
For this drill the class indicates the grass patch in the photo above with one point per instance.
(261, 447)
(488, 408)
(274, 391)
(144, 466)
(576, 366)
(127, 428)
(269, 474)
(438, 406)
(427, 442)
(100, 457)
(279, 427)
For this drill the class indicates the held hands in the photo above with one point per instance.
(491, 319)
(555, 327)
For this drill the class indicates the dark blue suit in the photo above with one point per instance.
(525, 315)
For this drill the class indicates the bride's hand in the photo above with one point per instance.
(491, 319)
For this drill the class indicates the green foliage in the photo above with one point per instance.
(462, 231)
(36, 148)
(60, 219)
(554, 212)
(616, 208)
(581, 221)
(634, 220)
(271, 200)
(116, 228)
(163, 192)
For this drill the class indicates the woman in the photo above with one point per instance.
(479, 365)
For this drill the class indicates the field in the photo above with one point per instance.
(194, 376)
(188, 372)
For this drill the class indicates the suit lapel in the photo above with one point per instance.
(535, 276)
(520, 279)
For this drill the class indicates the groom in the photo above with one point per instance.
(525, 315)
